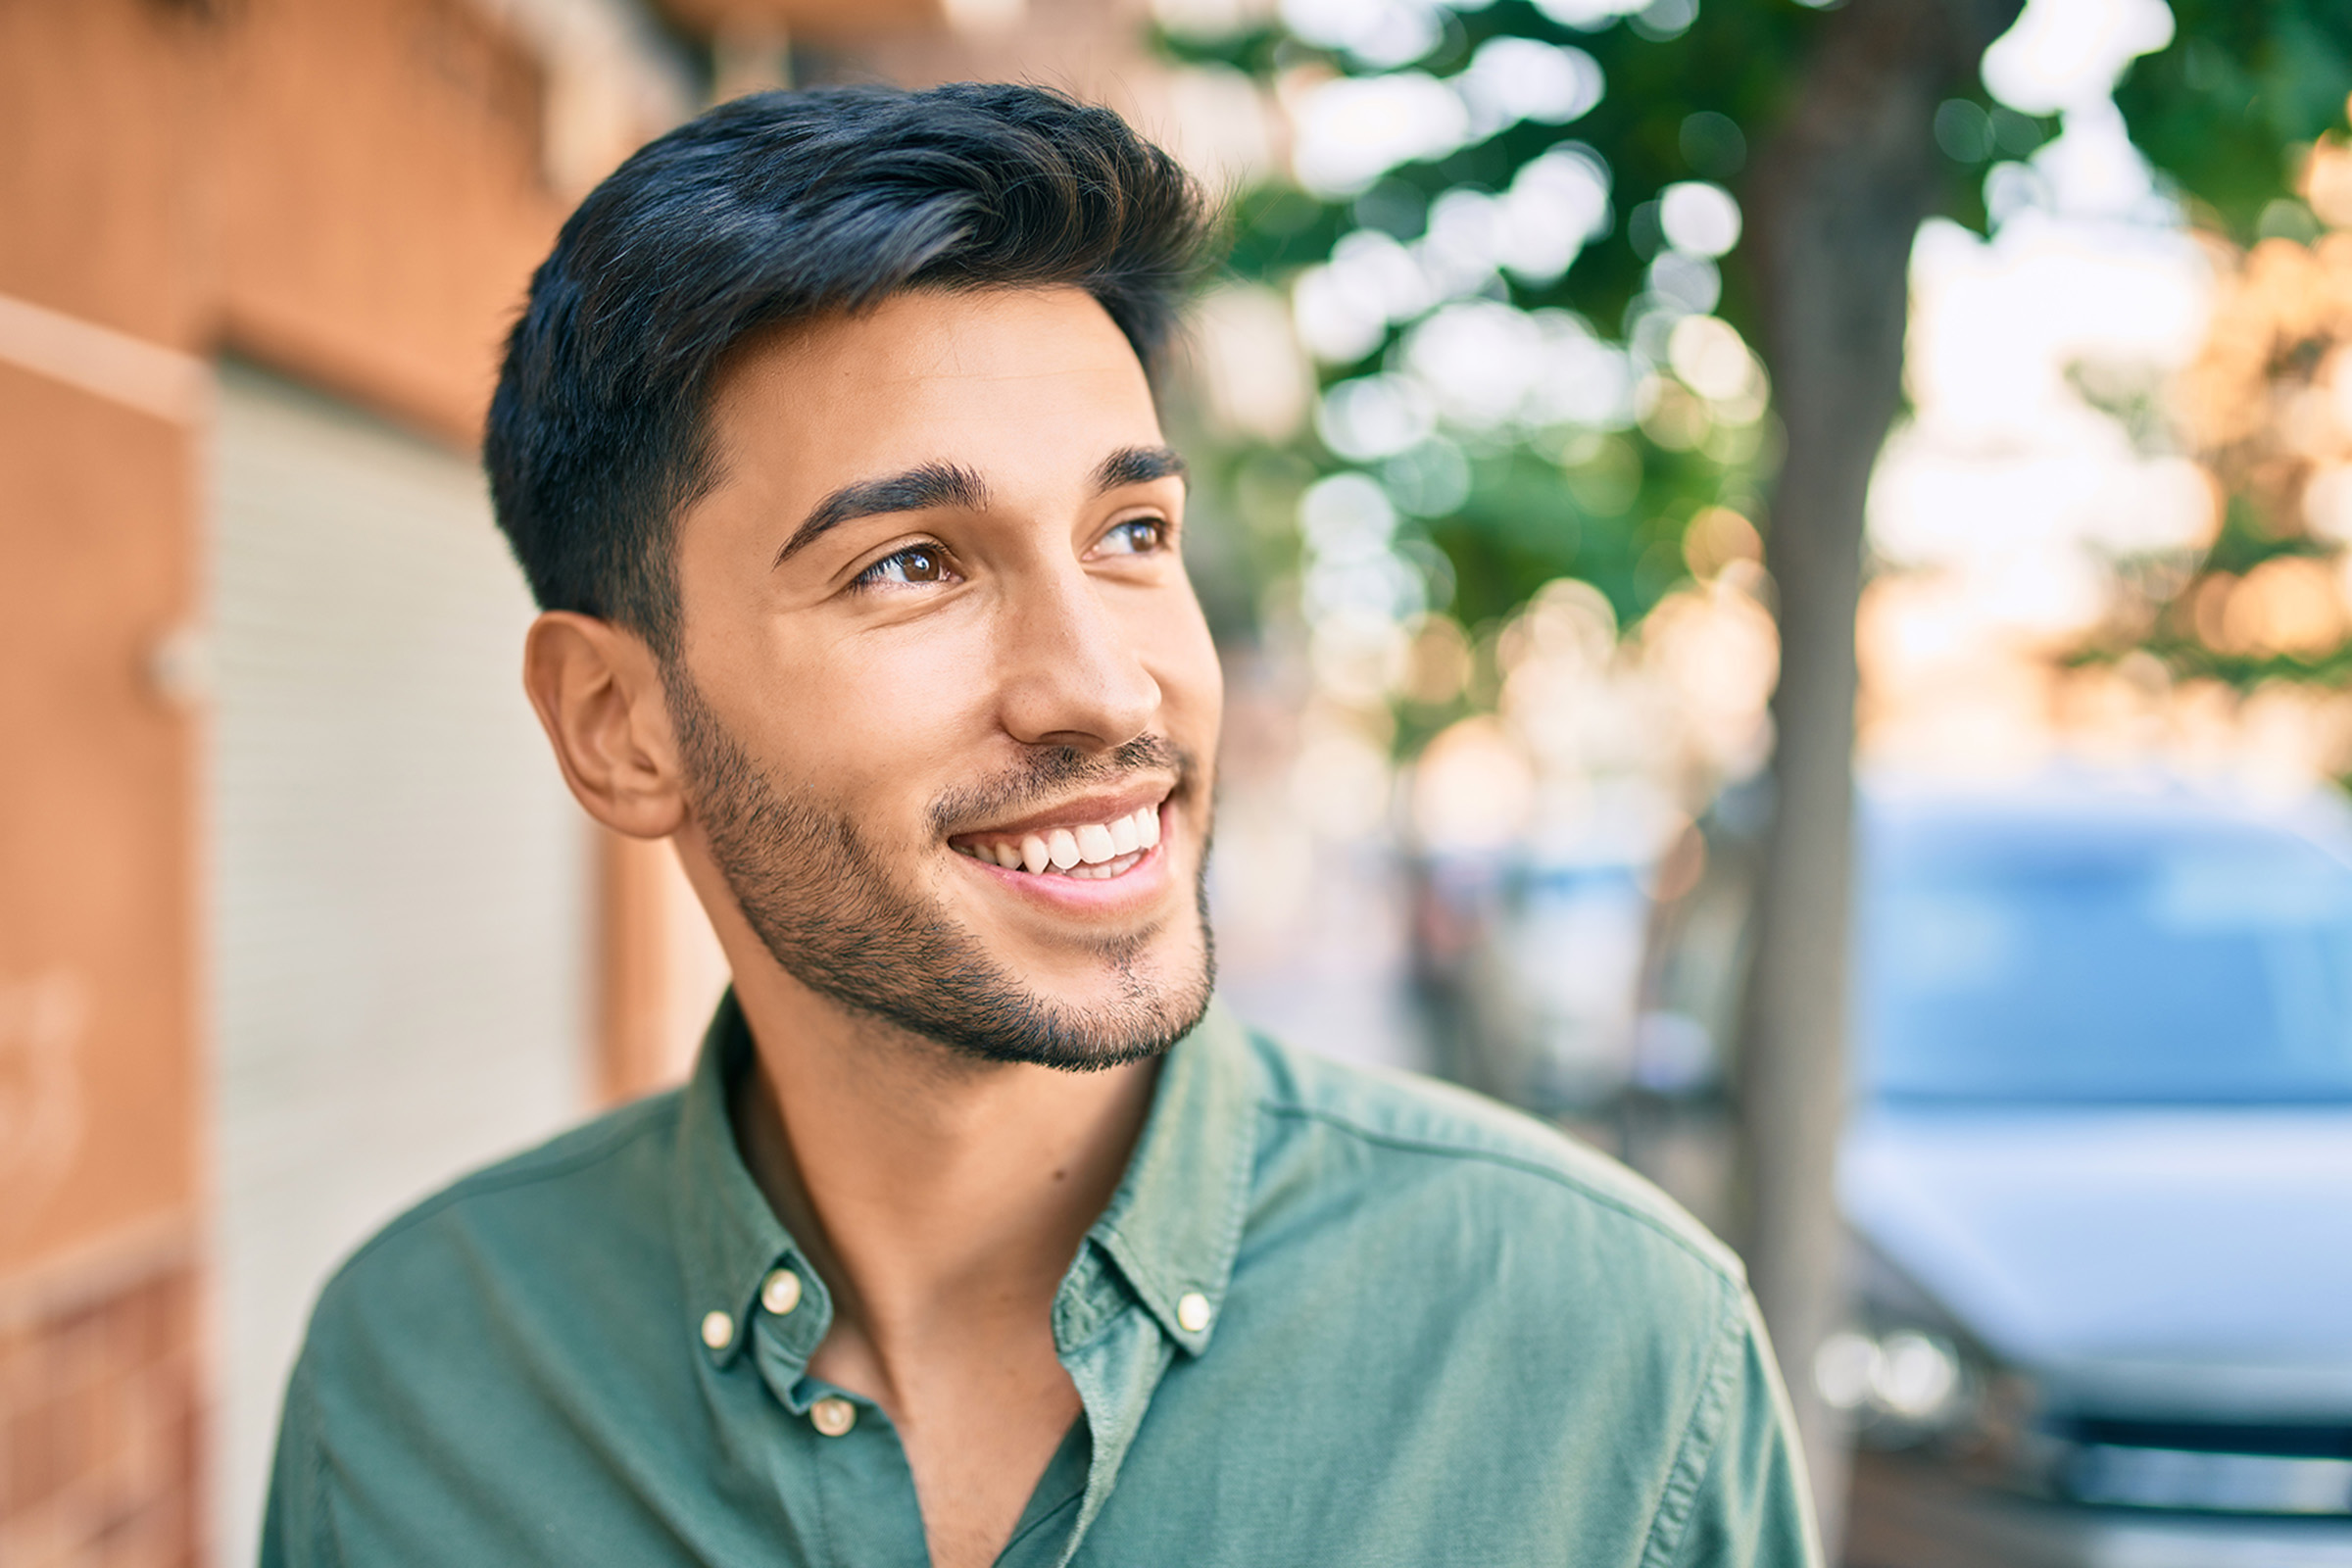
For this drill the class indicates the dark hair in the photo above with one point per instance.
(774, 207)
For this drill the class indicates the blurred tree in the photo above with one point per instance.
(2246, 113)
(1535, 337)
(1845, 180)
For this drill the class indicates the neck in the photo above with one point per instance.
(942, 1199)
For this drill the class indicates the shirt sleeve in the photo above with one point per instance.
(291, 1533)
(1741, 1498)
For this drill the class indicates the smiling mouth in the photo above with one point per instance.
(1088, 850)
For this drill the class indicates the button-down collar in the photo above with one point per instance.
(729, 1239)
(1175, 1223)
(1169, 1233)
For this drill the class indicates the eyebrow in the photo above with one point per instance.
(934, 484)
(949, 485)
(1138, 465)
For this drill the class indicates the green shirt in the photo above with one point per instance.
(1331, 1317)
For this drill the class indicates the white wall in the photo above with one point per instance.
(399, 887)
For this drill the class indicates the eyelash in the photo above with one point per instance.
(872, 576)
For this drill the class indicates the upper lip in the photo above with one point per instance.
(1102, 807)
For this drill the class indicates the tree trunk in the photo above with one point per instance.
(1839, 192)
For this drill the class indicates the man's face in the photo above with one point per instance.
(947, 701)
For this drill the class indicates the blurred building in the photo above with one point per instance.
(295, 918)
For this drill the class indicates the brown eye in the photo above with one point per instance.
(1138, 536)
(917, 564)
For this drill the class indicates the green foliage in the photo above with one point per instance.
(2247, 538)
(1604, 505)
(2226, 109)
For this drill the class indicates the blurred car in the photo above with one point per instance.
(2100, 1166)
(2098, 1173)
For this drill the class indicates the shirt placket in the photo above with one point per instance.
(835, 1447)
(870, 1512)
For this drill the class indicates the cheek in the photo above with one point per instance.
(874, 727)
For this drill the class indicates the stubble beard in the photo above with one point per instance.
(821, 899)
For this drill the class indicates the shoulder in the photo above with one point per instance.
(470, 1372)
(587, 1164)
(1396, 1141)
(1491, 1247)
(584, 1201)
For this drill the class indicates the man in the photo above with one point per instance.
(978, 1235)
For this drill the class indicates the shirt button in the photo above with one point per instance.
(1192, 1312)
(832, 1416)
(718, 1330)
(780, 1291)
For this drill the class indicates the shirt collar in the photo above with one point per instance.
(729, 1239)
(1171, 1231)
(1175, 1224)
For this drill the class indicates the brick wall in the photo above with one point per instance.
(351, 192)
(98, 1426)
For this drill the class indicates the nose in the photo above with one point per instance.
(1074, 672)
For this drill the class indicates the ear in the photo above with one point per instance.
(598, 692)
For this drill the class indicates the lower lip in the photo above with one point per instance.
(1138, 883)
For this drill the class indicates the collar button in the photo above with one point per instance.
(1192, 1312)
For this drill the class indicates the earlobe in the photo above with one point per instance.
(597, 689)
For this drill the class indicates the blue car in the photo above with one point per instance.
(2099, 1172)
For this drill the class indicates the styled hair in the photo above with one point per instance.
(777, 207)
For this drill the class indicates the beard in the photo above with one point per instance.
(818, 896)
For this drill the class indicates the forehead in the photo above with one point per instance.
(994, 378)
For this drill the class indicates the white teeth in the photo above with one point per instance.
(1099, 873)
(1092, 851)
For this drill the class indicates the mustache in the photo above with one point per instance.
(1047, 771)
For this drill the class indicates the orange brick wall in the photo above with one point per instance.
(348, 190)
(98, 1074)
(99, 1427)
